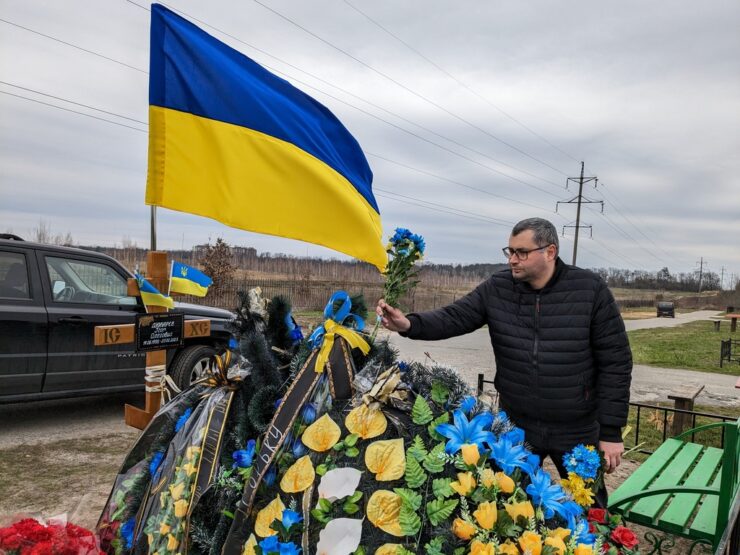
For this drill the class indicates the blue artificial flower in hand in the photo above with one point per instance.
(507, 455)
(583, 460)
(155, 462)
(464, 432)
(290, 518)
(468, 404)
(545, 494)
(289, 549)
(127, 531)
(184, 418)
(243, 458)
(270, 545)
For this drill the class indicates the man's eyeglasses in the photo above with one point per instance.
(521, 254)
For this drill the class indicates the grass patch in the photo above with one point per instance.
(651, 427)
(694, 346)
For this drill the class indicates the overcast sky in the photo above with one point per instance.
(472, 115)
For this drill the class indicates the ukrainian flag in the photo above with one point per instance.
(189, 281)
(230, 141)
(151, 295)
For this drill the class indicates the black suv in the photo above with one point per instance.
(666, 308)
(51, 299)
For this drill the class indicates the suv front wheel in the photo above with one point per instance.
(191, 365)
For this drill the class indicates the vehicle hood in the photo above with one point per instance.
(201, 311)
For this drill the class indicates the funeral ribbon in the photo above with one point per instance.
(336, 343)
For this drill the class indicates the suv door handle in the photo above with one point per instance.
(73, 320)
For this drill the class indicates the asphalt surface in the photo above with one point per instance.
(471, 354)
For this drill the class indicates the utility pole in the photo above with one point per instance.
(701, 271)
(722, 279)
(580, 199)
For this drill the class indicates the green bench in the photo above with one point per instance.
(687, 489)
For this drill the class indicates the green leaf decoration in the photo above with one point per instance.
(401, 550)
(434, 462)
(505, 527)
(360, 551)
(325, 505)
(409, 497)
(415, 475)
(421, 413)
(351, 440)
(417, 449)
(350, 508)
(440, 509)
(440, 393)
(434, 547)
(352, 452)
(441, 487)
(355, 497)
(409, 521)
(443, 418)
(321, 469)
(459, 551)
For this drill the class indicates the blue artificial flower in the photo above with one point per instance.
(277, 403)
(309, 413)
(583, 461)
(243, 458)
(289, 549)
(531, 464)
(290, 518)
(296, 334)
(501, 418)
(155, 462)
(403, 366)
(581, 533)
(573, 514)
(184, 418)
(507, 455)
(233, 343)
(271, 475)
(545, 494)
(468, 404)
(127, 531)
(270, 545)
(515, 435)
(401, 235)
(464, 432)
(299, 449)
(418, 241)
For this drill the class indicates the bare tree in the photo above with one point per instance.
(217, 263)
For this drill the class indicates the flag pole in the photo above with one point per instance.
(153, 228)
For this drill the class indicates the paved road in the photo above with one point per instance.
(471, 354)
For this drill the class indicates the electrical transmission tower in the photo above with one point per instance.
(579, 200)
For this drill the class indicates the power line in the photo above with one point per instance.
(458, 81)
(73, 111)
(73, 45)
(404, 87)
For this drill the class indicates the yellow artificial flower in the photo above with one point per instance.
(480, 548)
(523, 508)
(505, 483)
(388, 549)
(383, 510)
(530, 543)
(584, 497)
(487, 477)
(274, 510)
(486, 514)
(177, 491)
(465, 483)
(470, 453)
(556, 543)
(366, 422)
(250, 545)
(181, 508)
(299, 476)
(561, 533)
(150, 539)
(322, 435)
(192, 452)
(463, 529)
(386, 459)
(190, 468)
(172, 542)
(507, 548)
(583, 549)
(164, 528)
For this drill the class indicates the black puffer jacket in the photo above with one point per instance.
(562, 354)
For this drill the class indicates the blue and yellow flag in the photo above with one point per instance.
(188, 280)
(151, 295)
(229, 140)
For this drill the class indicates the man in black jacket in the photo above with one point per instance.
(563, 362)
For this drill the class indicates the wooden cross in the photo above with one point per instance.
(158, 276)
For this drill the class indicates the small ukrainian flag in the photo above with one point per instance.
(189, 281)
(151, 296)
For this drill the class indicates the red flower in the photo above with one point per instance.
(624, 536)
(597, 515)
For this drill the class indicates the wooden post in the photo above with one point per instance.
(683, 400)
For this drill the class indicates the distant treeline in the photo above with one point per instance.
(662, 279)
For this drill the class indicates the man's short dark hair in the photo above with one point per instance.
(544, 232)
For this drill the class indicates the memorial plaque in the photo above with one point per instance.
(157, 331)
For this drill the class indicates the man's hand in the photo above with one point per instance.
(391, 318)
(612, 454)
